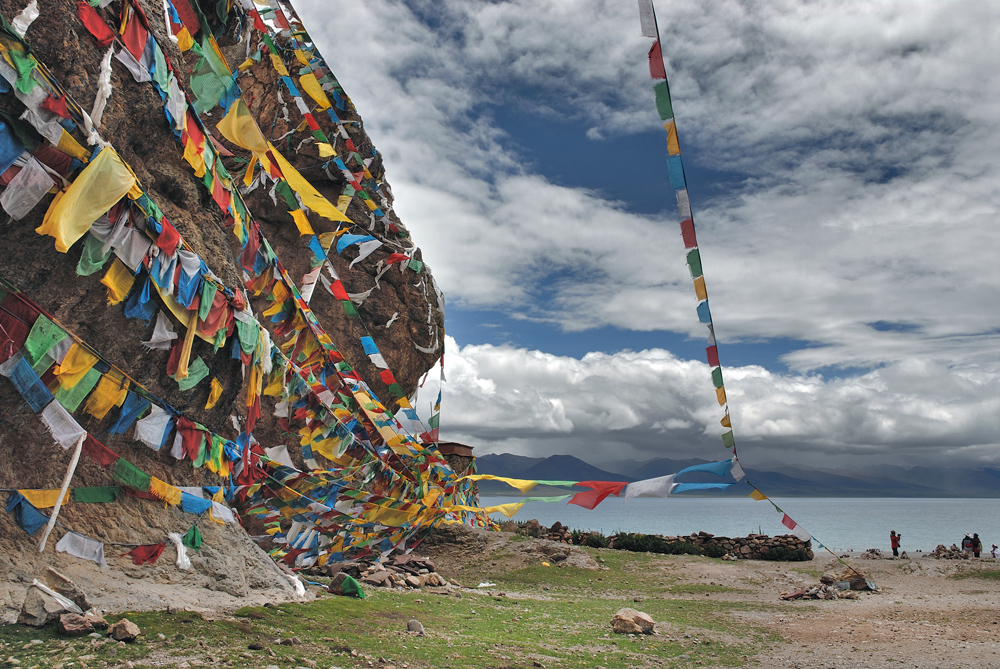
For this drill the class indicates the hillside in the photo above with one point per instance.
(204, 278)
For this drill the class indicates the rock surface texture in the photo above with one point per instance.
(397, 305)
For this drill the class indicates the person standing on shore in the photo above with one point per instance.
(967, 543)
(977, 545)
(894, 542)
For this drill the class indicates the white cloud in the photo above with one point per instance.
(867, 134)
(650, 404)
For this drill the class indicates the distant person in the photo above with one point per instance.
(894, 542)
(995, 552)
(977, 545)
(967, 543)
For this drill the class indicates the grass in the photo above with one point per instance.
(985, 574)
(564, 623)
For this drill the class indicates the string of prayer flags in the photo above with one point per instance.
(678, 183)
(600, 490)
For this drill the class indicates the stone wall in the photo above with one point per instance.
(751, 547)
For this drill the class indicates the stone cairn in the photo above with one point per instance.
(953, 553)
(405, 571)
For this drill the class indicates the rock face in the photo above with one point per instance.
(398, 305)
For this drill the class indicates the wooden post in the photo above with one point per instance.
(62, 491)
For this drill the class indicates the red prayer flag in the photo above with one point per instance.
(187, 16)
(600, 491)
(135, 34)
(397, 257)
(95, 24)
(101, 453)
(687, 233)
(169, 237)
(258, 23)
(145, 554)
(56, 105)
(656, 70)
(337, 288)
(712, 353)
(387, 377)
(788, 522)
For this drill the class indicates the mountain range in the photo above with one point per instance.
(878, 481)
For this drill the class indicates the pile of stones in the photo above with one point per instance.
(405, 571)
(953, 553)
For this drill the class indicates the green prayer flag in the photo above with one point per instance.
(131, 475)
(284, 190)
(25, 132)
(717, 377)
(24, 64)
(71, 398)
(161, 75)
(663, 101)
(97, 494)
(415, 265)
(202, 453)
(197, 371)
(728, 440)
(208, 291)
(193, 539)
(92, 258)
(694, 263)
(44, 335)
(249, 336)
(350, 587)
(434, 421)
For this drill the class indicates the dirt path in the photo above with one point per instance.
(921, 617)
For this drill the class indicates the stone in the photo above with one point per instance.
(413, 581)
(40, 608)
(73, 624)
(642, 620)
(415, 626)
(65, 587)
(124, 630)
(621, 625)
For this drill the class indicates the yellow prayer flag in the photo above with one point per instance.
(343, 202)
(195, 156)
(214, 394)
(725, 421)
(279, 66)
(673, 146)
(311, 197)
(301, 56)
(240, 128)
(164, 491)
(506, 509)
(110, 391)
(184, 40)
(248, 175)
(758, 495)
(325, 150)
(44, 499)
(102, 183)
(75, 365)
(720, 394)
(119, 280)
(301, 222)
(315, 90)
(699, 288)
(71, 147)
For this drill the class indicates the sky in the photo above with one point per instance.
(842, 164)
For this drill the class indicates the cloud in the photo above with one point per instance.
(865, 133)
(860, 139)
(650, 403)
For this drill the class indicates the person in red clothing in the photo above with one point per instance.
(894, 542)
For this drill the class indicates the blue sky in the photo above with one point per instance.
(841, 161)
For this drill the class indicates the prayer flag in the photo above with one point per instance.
(656, 69)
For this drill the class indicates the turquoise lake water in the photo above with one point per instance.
(839, 523)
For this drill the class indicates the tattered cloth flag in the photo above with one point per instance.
(82, 547)
(27, 516)
(147, 554)
(600, 490)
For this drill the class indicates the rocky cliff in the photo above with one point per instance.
(195, 211)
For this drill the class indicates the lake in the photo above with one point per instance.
(839, 523)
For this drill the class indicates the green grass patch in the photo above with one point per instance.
(985, 574)
(558, 617)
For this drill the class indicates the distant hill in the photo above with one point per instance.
(878, 481)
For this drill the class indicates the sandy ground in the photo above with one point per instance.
(920, 617)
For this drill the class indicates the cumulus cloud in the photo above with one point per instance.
(640, 405)
(861, 220)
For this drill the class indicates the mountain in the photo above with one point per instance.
(878, 481)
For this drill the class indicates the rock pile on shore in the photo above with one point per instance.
(750, 547)
(953, 553)
(405, 571)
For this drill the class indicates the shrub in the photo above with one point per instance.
(713, 551)
(682, 548)
(783, 554)
(594, 540)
